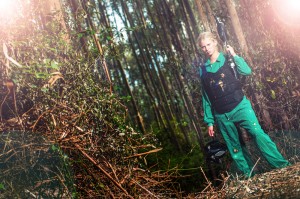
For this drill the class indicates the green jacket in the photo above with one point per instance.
(242, 68)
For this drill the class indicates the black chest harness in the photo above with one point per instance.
(223, 88)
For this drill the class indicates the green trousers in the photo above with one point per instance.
(244, 116)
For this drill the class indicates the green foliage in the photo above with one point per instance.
(74, 108)
(275, 51)
(2, 186)
(34, 168)
(186, 164)
(72, 105)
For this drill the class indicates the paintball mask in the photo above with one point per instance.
(215, 150)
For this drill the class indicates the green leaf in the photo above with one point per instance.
(101, 185)
(54, 148)
(32, 86)
(273, 94)
(184, 123)
(80, 35)
(44, 89)
(54, 65)
(46, 61)
(2, 186)
(41, 75)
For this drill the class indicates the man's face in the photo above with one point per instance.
(208, 46)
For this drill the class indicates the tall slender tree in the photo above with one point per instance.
(242, 41)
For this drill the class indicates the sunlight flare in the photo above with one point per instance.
(288, 11)
(8, 10)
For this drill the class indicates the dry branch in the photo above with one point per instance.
(278, 183)
(102, 170)
(145, 153)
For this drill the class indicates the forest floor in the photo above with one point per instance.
(277, 183)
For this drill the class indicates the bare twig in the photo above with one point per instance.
(209, 183)
(145, 153)
(102, 170)
(144, 189)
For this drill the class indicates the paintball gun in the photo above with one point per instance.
(222, 35)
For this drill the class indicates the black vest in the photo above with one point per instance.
(224, 90)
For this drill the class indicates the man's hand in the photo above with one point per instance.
(211, 131)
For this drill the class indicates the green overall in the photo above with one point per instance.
(244, 116)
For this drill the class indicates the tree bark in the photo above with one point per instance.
(203, 17)
(74, 6)
(238, 29)
(52, 9)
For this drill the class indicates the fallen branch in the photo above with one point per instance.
(145, 153)
(101, 169)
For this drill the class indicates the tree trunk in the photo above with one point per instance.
(98, 44)
(203, 17)
(52, 10)
(238, 28)
(242, 41)
(178, 78)
(77, 24)
(189, 10)
(138, 116)
(191, 36)
(210, 16)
